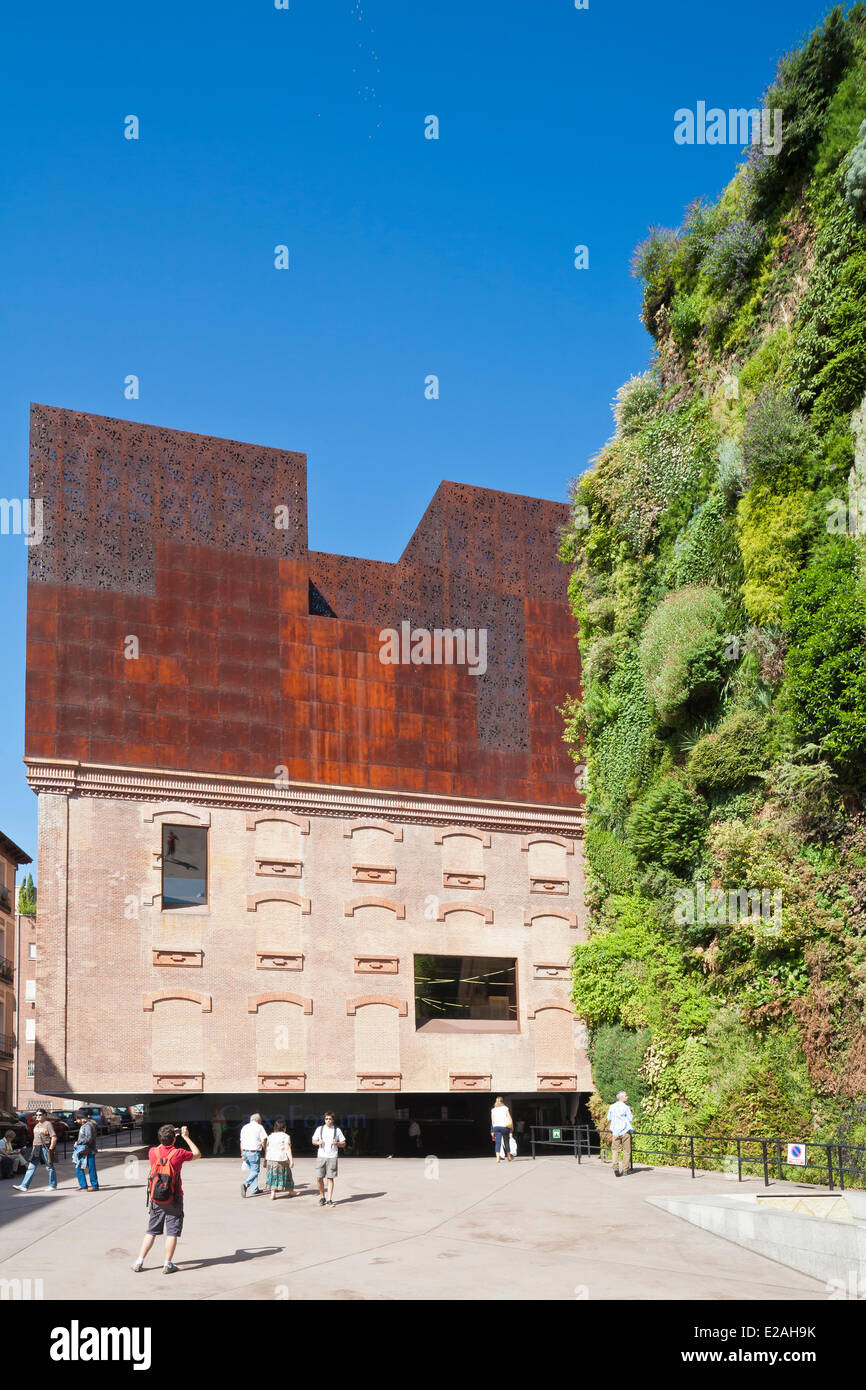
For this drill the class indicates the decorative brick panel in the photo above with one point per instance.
(382, 1081)
(550, 1004)
(551, 972)
(527, 841)
(151, 814)
(377, 965)
(531, 913)
(557, 1081)
(548, 885)
(254, 818)
(481, 835)
(272, 895)
(282, 1081)
(453, 880)
(178, 1081)
(167, 956)
(401, 1005)
(373, 873)
(204, 1000)
(276, 960)
(350, 907)
(349, 828)
(254, 1001)
(279, 868)
(469, 1081)
(446, 908)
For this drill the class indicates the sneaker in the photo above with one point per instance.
(329, 1204)
(243, 1189)
(19, 1187)
(138, 1266)
(169, 1268)
(322, 1202)
(617, 1173)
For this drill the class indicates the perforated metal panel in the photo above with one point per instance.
(170, 538)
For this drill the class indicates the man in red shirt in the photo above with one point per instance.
(166, 1216)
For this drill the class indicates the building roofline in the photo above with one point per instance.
(13, 851)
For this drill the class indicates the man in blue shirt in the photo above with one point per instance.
(621, 1122)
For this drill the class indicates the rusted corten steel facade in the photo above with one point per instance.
(171, 538)
(357, 815)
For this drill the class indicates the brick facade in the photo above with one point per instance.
(358, 813)
(137, 1000)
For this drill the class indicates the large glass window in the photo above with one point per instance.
(471, 993)
(184, 866)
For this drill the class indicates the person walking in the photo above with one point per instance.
(11, 1157)
(44, 1145)
(84, 1152)
(165, 1194)
(501, 1126)
(254, 1136)
(278, 1153)
(217, 1127)
(621, 1122)
(329, 1140)
(415, 1135)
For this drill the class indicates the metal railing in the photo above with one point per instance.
(838, 1164)
(115, 1138)
(7, 1044)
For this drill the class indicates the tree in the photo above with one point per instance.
(27, 897)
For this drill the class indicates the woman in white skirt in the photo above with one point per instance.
(278, 1154)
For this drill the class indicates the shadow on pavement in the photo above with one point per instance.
(240, 1256)
(357, 1197)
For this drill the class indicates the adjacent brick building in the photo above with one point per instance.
(245, 814)
(11, 1028)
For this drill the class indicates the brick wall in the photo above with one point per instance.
(337, 1003)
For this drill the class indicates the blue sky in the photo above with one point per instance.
(408, 256)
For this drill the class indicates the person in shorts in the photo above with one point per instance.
(166, 1217)
(329, 1140)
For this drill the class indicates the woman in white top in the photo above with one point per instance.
(501, 1125)
(278, 1153)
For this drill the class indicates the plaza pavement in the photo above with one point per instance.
(543, 1229)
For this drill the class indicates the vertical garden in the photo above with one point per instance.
(718, 581)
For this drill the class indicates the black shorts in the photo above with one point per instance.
(168, 1219)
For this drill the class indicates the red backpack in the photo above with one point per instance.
(163, 1181)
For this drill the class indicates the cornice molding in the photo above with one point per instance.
(71, 778)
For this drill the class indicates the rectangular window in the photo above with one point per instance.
(30, 1030)
(32, 951)
(30, 991)
(466, 994)
(31, 1068)
(184, 866)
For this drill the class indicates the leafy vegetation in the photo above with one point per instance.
(722, 621)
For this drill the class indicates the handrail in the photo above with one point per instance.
(840, 1163)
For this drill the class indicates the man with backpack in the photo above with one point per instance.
(165, 1193)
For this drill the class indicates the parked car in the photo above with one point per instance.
(106, 1117)
(128, 1119)
(61, 1126)
(10, 1121)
